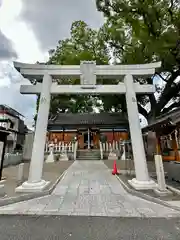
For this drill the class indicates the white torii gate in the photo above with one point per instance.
(88, 71)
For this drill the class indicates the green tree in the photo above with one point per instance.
(84, 43)
(144, 31)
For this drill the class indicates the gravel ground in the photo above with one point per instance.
(51, 172)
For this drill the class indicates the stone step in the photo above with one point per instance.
(88, 152)
(98, 159)
(88, 156)
(85, 154)
(93, 155)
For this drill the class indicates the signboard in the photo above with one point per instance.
(88, 76)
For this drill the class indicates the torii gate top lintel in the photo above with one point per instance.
(37, 71)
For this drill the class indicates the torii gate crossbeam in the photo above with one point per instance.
(88, 72)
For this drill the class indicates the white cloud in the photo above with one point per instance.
(23, 22)
(27, 49)
(19, 32)
(10, 95)
(51, 20)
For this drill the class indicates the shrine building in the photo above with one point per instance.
(87, 128)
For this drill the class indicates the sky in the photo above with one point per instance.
(28, 30)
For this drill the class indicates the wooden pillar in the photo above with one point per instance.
(158, 145)
(113, 135)
(63, 134)
(47, 137)
(175, 146)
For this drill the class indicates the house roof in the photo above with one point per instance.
(168, 120)
(64, 119)
(10, 110)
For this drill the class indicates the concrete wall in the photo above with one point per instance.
(12, 159)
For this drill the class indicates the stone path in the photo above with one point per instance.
(89, 189)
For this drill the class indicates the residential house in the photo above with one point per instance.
(16, 126)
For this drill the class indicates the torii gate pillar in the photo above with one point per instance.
(142, 180)
(35, 182)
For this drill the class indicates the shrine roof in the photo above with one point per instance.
(63, 119)
(164, 122)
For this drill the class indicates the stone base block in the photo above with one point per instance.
(142, 185)
(112, 156)
(64, 157)
(50, 158)
(33, 187)
(165, 192)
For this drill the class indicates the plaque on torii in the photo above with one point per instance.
(88, 74)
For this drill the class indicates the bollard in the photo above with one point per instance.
(20, 172)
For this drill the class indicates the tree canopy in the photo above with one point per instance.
(144, 31)
(134, 32)
(84, 43)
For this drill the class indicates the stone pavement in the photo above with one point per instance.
(88, 188)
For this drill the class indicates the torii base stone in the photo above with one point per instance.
(30, 187)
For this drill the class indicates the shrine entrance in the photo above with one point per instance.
(88, 138)
(88, 72)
